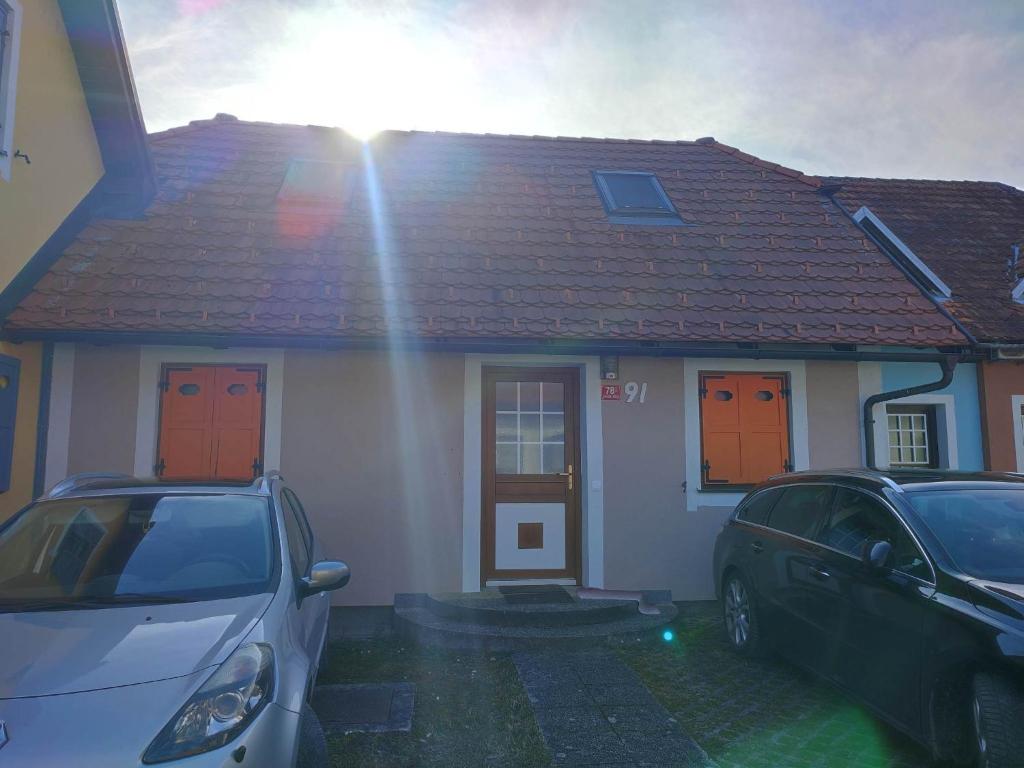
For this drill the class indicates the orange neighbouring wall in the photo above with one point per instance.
(998, 382)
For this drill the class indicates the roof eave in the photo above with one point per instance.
(705, 349)
(97, 42)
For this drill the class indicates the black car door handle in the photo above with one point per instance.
(820, 574)
(758, 547)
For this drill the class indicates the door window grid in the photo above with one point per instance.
(529, 428)
(908, 439)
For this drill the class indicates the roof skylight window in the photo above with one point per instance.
(314, 182)
(635, 197)
(901, 253)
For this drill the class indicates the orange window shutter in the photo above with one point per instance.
(186, 409)
(764, 418)
(237, 423)
(721, 433)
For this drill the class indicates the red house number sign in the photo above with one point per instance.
(611, 392)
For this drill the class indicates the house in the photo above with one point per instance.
(479, 359)
(72, 145)
(961, 242)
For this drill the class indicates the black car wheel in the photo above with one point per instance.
(997, 710)
(312, 743)
(741, 625)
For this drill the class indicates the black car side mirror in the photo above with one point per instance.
(876, 555)
(325, 576)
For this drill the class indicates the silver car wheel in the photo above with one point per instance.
(979, 733)
(737, 613)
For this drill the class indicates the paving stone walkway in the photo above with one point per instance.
(594, 711)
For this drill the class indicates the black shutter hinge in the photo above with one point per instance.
(787, 466)
(159, 467)
(785, 392)
(705, 467)
(164, 384)
(703, 392)
(257, 467)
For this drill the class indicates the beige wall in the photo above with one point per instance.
(104, 409)
(375, 454)
(23, 466)
(52, 126)
(833, 415)
(650, 540)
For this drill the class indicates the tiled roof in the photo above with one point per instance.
(477, 237)
(963, 231)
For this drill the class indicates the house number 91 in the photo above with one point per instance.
(635, 393)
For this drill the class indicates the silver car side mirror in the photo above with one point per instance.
(325, 576)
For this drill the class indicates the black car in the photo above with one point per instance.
(904, 588)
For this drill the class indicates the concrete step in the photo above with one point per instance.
(416, 619)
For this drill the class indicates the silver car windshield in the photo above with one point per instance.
(136, 548)
(982, 530)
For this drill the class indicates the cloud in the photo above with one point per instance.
(920, 88)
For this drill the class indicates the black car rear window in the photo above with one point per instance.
(759, 505)
(801, 510)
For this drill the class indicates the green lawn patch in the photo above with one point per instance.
(471, 709)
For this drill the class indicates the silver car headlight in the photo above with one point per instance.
(221, 709)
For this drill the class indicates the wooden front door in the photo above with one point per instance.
(531, 474)
(211, 422)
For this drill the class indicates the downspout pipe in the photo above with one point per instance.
(948, 367)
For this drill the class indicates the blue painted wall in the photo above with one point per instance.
(965, 393)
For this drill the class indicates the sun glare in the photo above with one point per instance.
(365, 75)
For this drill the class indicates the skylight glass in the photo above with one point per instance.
(635, 197)
(314, 182)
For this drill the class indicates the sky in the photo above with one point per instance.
(904, 88)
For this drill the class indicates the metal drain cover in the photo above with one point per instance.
(365, 707)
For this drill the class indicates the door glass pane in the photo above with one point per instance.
(554, 458)
(506, 427)
(529, 396)
(554, 428)
(507, 459)
(552, 398)
(529, 459)
(507, 395)
(529, 428)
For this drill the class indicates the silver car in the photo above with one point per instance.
(147, 623)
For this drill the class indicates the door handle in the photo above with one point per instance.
(820, 574)
(758, 547)
(567, 474)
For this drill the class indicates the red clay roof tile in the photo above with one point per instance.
(478, 236)
(963, 231)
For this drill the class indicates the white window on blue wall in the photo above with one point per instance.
(10, 38)
(913, 436)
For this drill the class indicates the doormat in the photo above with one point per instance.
(541, 594)
(365, 707)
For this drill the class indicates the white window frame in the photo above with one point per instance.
(1016, 403)
(937, 287)
(9, 87)
(945, 428)
(151, 362)
(1018, 292)
(798, 436)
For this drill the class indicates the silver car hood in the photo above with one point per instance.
(55, 652)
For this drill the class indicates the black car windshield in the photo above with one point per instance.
(982, 530)
(136, 548)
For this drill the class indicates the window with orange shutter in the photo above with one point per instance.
(211, 423)
(744, 428)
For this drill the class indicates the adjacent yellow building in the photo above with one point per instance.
(72, 145)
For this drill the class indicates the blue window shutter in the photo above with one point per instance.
(10, 368)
